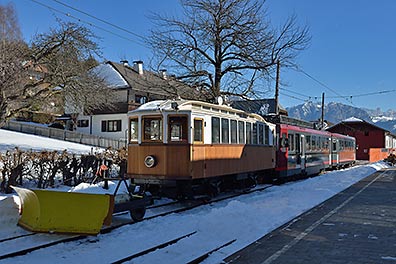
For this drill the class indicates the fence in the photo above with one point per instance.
(64, 135)
(377, 154)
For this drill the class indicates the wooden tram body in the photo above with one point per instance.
(183, 143)
(306, 151)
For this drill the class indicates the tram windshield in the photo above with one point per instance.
(152, 127)
(178, 128)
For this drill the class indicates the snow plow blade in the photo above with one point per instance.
(63, 212)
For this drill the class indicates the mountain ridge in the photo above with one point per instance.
(337, 112)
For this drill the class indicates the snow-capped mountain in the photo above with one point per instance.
(336, 112)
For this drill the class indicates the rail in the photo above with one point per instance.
(65, 135)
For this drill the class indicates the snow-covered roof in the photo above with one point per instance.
(352, 119)
(186, 105)
(112, 77)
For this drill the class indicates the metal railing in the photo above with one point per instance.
(65, 135)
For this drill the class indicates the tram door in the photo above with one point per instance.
(300, 151)
(335, 151)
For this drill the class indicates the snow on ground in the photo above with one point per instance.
(245, 218)
(10, 139)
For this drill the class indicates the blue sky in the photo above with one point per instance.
(352, 52)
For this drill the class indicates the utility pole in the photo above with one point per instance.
(322, 118)
(277, 88)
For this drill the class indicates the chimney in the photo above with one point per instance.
(163, 74)
(138, 66)
(124, 62)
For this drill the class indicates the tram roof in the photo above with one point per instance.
(187, 105)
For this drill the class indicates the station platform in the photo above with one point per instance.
(357, 225)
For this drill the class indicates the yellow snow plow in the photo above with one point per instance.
(63, 212)
(73, 212)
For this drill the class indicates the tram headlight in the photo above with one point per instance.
(150, 161)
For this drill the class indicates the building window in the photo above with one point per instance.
(178, 128)
(111, 125)
(140, 99)
(134, 128)
(198, 130)
(83, 123)
(152, 129)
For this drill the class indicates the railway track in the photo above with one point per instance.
(197, 258)
(23, 243)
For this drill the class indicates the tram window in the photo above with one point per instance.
(234, 131)
(291, 142)
(326, 144)
(133, 127)
(225, 130)
(266, 135)
(248, 133)
(284, 141)
(152, 129)
(215, 130)
(254, 141)
(261, 134)
(177, 128)
(241, 130)
(198, 130)
(308, 142)
(313, 142)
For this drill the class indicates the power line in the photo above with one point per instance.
(293, 92)
(101, 20)
(322, 84)
(365, 94)
(295, 97)
(88, 23)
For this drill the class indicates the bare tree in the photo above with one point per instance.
(56, 63)
(226, 47)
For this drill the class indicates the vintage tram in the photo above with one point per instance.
(190, 146)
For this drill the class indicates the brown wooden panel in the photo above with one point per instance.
(217, 160)
(173, 161)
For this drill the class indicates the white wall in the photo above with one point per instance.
(95, 125)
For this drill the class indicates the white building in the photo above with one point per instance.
(133, 86)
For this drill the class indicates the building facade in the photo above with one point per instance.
(368, 136)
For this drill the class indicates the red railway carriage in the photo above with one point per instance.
(343, 150)
(306, 151)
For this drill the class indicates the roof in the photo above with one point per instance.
(261, 107)
(353, 120)
(187, 105)
(118, 108)
(150, 82)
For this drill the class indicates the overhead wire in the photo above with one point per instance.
(365, 94)
(322, 84)
(295, 97)
(88, 23)
(101, 20)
